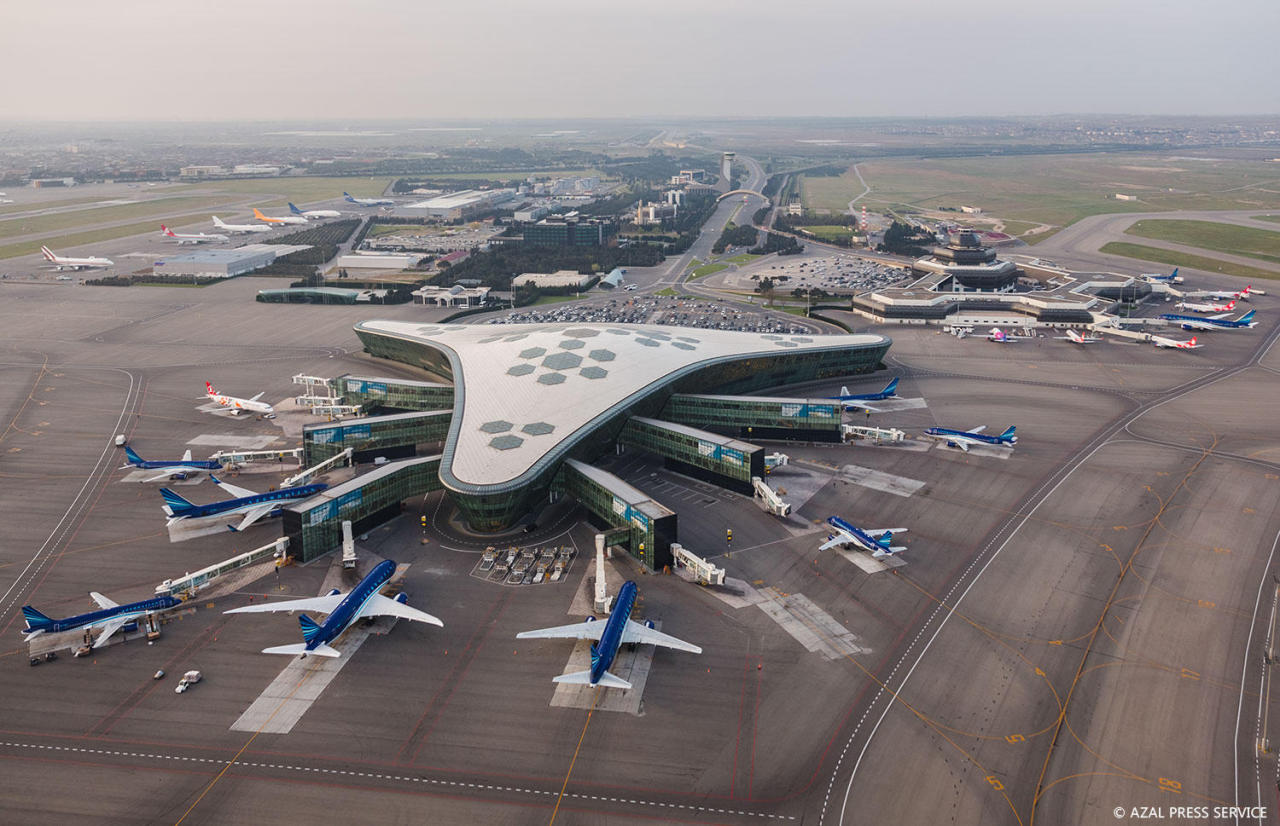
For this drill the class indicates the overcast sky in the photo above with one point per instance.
(274, 59)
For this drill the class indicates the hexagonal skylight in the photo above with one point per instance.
(572, 343)
(602, 355)
(618, 332)
(520, 370)
(538, 428)
(683, 346)
(786, 344)
(497, 426)
(647, 342)
(593, 372)
(562, 361)
(533, 352)
(551, 378)
(581, 332)
(505, 442)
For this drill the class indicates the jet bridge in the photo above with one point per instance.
(767, 498)
(703, 571)
(187, 585)
(303, 476)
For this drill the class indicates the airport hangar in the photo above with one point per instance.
(519, 412)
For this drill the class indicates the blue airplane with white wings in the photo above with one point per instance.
(1157, 278)
(364, 600)
(857, 400)
(254, 506)
(965, 439)
(111, 617)
(171, 467)
(609, 637)
(879, 541)
(1213, 322)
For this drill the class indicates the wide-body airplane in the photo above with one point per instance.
(65, 262)
(111, 616)
(1077, 338)
(287, 219)
(237, 404)
(609, 636)
(171, 467)
(364, 600)
(314, 213)
(1197, 307)
(879, 541)
(191, 237)
(1213, 322)
(1171, 278)
(238, 228)
(857, 400)
(964, 439)
(367, 201)
(254, 506)
(1161, 341)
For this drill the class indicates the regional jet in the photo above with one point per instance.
(1157, 278)
(857, 400)
(1077, 338)
(254, 506)
(315, 213)
(364, 600)
(1206, 308)
(287, 219)
(609, 636)
(1161, 341)
(236, 405)
(61, 262)
(171, 467)
(1002, 337)
(111, 616)
(879, 541)
(1237, 295)
(239, 228)
(367, 201)
(965, 439)
(191, 237)
(1213, 322)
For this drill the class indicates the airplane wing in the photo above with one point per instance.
(322, 605)
(963, 444)
(173, 471)
(1194, 324)
(1220, 315)
(186, 457)
(254, 515)
(102, 601)
(578, 631)
(237, 492)
(841, 538)
(638, 632)
(109, 628)
(381, 606)
(977, 429)
(851, 404)
(882, 531)
(260, 395)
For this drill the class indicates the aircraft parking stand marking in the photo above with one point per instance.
(233, 441)
(879, 480)
(811, 626)
(401, 778)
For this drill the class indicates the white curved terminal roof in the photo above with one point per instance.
(524, 389)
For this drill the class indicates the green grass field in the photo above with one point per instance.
(163, 209)
(1275, 218)
(667, 292)
(1177, 259)
(830, 232)
(61, 242)
(1210, 235)
(552, 299)
(303, 189)
(743, 258)
(9, 209)
(708, 269)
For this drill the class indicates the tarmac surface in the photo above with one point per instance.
(1077, 627)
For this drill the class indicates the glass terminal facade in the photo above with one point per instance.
(758, 416)
(394, 394)
(394, 436)
(716, 459)
(652, 526)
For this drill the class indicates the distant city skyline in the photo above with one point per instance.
(236, 60)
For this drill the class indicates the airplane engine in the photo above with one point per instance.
(333, 593)
(648, 623)
(591, 619)
(402, 598)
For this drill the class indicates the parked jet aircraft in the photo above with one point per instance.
(856, 400)
(1161, 341)
(964, 439)
(236, 404)
(315, 213)
(1077, 338)
(1155, 277)
(1237, 295)
(367, 201)
(609, 636)
(62, 262)
(364, 600)
(876, 540)
(1206, 308)
(111, 616)
(1213, 322)
(171, 467)
(191, 237)
(1002, 337)
(287, 219)
(238, 228)
(254, 506)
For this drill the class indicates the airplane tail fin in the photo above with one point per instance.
(133, 458)
(309, 627)
(347, 195)
(1173, 275)
(47, 253)
(1247, 317)
(844, 391)
(301, 648)
(1193, 341)
(891, 387)
(294, 209)
(584, 678)
(217, 222)
(1009, 434)
(209, 389)
(36, 621)
(257, 213)
(174, 503)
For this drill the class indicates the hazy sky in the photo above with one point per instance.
(273, 59)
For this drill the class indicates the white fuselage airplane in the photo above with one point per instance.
(351, 199)
(314, 213)
(1001, 337)
(235, 404)
(268, 219)
(1206, 308)
(237, 228)
(1233, 295)
(191, 237)
(62, 262)
(1161, 341)
(1077, 338)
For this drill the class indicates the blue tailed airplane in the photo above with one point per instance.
(112, 617)
(1157, 278)
(1213, 322)
(855, 400)
(254, 506)
(964, 439)
(367, 201)
(879, 541)
(609, 636)
(171, 467)
(343, 610)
